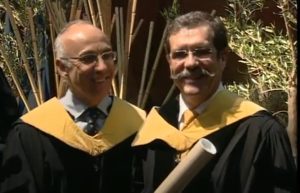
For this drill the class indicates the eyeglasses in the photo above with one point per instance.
(93, 58)
(200, 53)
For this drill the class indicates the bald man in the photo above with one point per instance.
(80, 142)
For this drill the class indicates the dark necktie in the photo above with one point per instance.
(95, 119)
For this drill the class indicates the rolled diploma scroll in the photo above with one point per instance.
(184, 172)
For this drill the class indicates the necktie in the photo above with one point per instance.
(188, 116)
(95, 119)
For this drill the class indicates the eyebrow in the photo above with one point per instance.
(87, 52)
(191, 47)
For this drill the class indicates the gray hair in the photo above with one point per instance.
(197, 18)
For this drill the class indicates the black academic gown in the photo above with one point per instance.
(254, 154)
(9, 111)
(58, 157)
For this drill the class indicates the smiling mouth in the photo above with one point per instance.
(102, 80)
(195, 76)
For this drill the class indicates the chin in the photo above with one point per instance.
(192, 90)
(102, 87)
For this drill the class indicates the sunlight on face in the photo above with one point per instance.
(192, 50)
(92, 59)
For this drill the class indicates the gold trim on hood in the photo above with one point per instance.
(224, 109)
(124, 120)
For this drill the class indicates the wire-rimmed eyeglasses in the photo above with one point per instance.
(200, 53)
(93, 58)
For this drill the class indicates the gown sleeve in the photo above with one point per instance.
(258, 158)
(21, 167)
(275, 156)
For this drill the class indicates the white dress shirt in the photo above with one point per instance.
(76, 108)
(183, 107)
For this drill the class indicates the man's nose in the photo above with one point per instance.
(191, 60)
(100, 63)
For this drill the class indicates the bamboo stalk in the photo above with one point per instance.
(106, 14)
(57, 17)
(15, 79)
(73, 10)
(121, 33)
(128, 25)
(137, 30)
(153, 71)
(119, 62)
(123, 86)
(36, 55)
(114, 87)
(54, 66)
(50, 14)
(129, 28)
(58, 14)
(146, 60)
(292, 82)
(169, 94)
(289, 31)
(78, 10)
(133, 13)
(62, 16)
(213, 12)
(113, 21)
(22, 51)
(100, 14)
(60, 20)
(86, 8)
(123, 58)
(92, 12)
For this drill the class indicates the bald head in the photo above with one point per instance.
(78, 47)
(74, 32)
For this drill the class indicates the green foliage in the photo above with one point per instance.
(171, 12)
(241, 89)
(10, 46)
(8, 40)
(266, 52)
(291, 13)
(19, 10)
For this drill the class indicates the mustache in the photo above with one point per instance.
(188, 73)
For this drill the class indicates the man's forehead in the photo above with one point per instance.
(197, 35)
(84, 28)
(80, 32)
(199, 27)
(82, 40)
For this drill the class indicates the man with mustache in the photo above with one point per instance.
(253, 149)
(82, 141)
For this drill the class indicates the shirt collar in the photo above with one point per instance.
(75, 107)
(199, 109)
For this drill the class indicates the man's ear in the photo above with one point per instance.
(62, 68)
